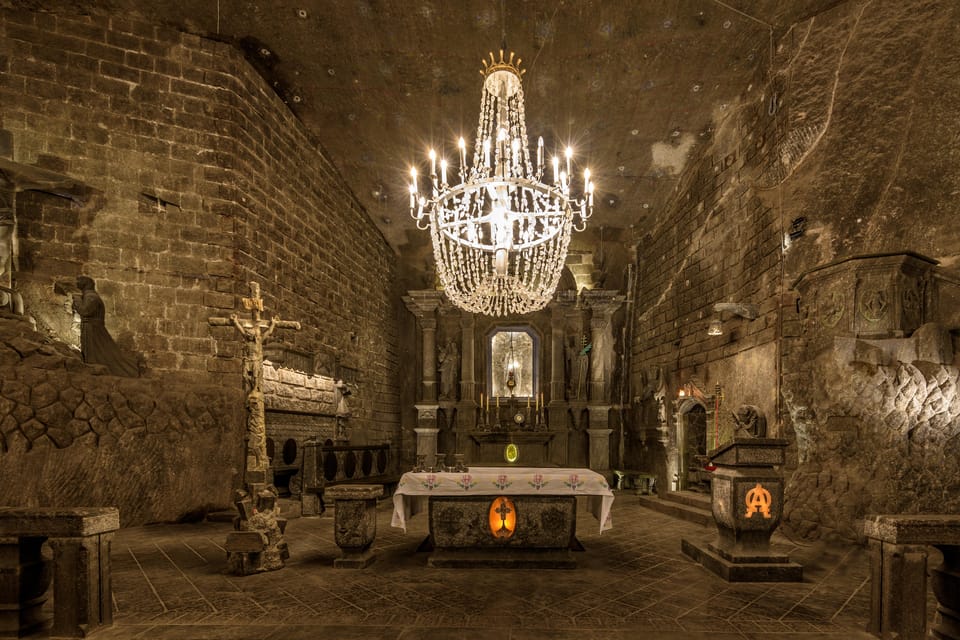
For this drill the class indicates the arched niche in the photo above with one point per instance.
(690, 433)
(512, 362)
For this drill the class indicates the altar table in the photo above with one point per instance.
(415, 489)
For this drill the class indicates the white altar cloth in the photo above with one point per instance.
(414, 489)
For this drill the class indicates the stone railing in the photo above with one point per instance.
(899, 546)
(328, 464)
(80, 541)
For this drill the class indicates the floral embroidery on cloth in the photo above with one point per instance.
(502, 482)
(538, 482)
(430, 483)
(466, 482)
(574, 482)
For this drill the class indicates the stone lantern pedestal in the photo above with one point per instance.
(747, 504)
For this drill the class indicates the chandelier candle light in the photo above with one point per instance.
(500, 235)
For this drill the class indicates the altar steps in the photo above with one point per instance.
(691, 506)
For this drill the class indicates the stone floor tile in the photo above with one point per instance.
(632, 582)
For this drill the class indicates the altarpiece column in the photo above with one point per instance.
(423, 304)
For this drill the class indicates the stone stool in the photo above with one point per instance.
(80, 540)
(355, 522)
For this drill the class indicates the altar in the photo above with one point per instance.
(502, 516)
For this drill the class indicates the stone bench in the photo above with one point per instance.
(80, 541)
(898, 575)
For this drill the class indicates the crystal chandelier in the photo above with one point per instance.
(500, 235)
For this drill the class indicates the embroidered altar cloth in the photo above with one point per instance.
(415, 489)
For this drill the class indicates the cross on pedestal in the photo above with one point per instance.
(254, 331)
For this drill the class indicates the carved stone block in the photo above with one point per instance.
(355, 522)
(873, 296)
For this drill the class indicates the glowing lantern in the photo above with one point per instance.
(502, 518)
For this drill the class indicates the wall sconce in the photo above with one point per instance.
(715, 328)
(742, 309)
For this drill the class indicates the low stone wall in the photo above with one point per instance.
(158, 448)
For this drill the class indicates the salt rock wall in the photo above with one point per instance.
(157, 448)
(879, 436)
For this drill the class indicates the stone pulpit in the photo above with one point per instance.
(747, 504)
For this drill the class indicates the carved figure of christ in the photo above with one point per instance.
(254, 331)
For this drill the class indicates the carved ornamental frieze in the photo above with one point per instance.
(873, 296)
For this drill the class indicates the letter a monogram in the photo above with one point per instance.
(758, 501)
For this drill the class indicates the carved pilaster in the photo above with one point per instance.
(423, 305)
(427, 442)
(558, 312)
(468, 385)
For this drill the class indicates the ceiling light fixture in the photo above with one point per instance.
(500, 235)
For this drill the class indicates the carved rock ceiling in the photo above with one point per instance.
(635, 86)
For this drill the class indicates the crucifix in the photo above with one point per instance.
(503, 511)
(254, 331)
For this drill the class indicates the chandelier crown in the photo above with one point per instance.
(502, 65)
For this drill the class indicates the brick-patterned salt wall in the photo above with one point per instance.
(716, 241)
(204, 180)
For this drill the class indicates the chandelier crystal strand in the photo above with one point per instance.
(500, 235)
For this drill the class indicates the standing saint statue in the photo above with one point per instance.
(449, 360)
(96, 343)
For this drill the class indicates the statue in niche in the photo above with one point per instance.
(448, 359)
(342, 391)
(578, 357)
(750, 422)
(604, 357)
(96, 343)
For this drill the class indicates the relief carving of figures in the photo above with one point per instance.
(96, 343)
(750, 421)
(448, 360)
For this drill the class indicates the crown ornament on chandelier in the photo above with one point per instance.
(500, 233)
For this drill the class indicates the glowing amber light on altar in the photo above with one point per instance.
(511, 453)
(502, 517)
